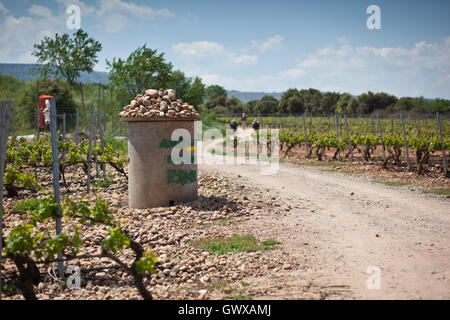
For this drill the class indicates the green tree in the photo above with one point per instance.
(370, 102)
(10, 87)
(267, 105)
(284, 106)
(234, 105)
(180, 83)
(218, 101)
(311, 99)
(188, 89)
(214, 91)
(143, 69)
(58, 89)
(347, 104)
(404, 104)
(65, 57)
(441, 105)
(250, 106)
(328, 102)
(295, 105)
(195, 95)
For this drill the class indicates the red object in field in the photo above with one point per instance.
(41, 107)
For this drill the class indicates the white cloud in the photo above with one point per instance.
(20, 33)
(115, 15)
(198, 51)
(274, 43)
(3, 8)
(246, 59)
(86, 10)
(206, 56)
(344, 40)
(423, 69)
(132, 10)
(40, 11)
(114, 22)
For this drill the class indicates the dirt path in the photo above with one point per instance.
(339, 225)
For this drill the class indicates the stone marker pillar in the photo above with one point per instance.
(154, 180)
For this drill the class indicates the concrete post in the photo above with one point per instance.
(154, 180)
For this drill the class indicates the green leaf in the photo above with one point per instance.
(147, 263)
(116, 240)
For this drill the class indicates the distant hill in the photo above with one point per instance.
(23, 72)
(247, 96)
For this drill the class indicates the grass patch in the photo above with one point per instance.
(323, 164)
(218, 285)
(118, 145)
(241, 297)
(27, 205)
(439, 191)
(209, 121)
(8, 289)
(179, 257)
(234, 293)
(235, 243)
(346, 172)
(262, 156)
(214, 190)
(270, 242)
(102, 183)
(392, 183)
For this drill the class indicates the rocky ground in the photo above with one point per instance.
(330, 227)
(184, 270)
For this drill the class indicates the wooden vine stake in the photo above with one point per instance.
(36, 113)
(112, 110)
(84, 107)
(77, 134)
(306, 137)
(381, 139)
(55, 169)
(64, 126)
(336, 125)
(444, 155)
(350, 148)
(100, 130)
(405, 141)
(5, 109)
(89, 159)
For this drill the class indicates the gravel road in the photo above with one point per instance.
(337, 226)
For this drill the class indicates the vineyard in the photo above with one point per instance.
(159, 150)
(416, 144)
(78, 224)
(30, 243)
(138, 254)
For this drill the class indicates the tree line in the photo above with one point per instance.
(313, 101)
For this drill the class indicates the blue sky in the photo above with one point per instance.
(259, 45)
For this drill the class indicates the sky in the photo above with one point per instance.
(258, 45)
